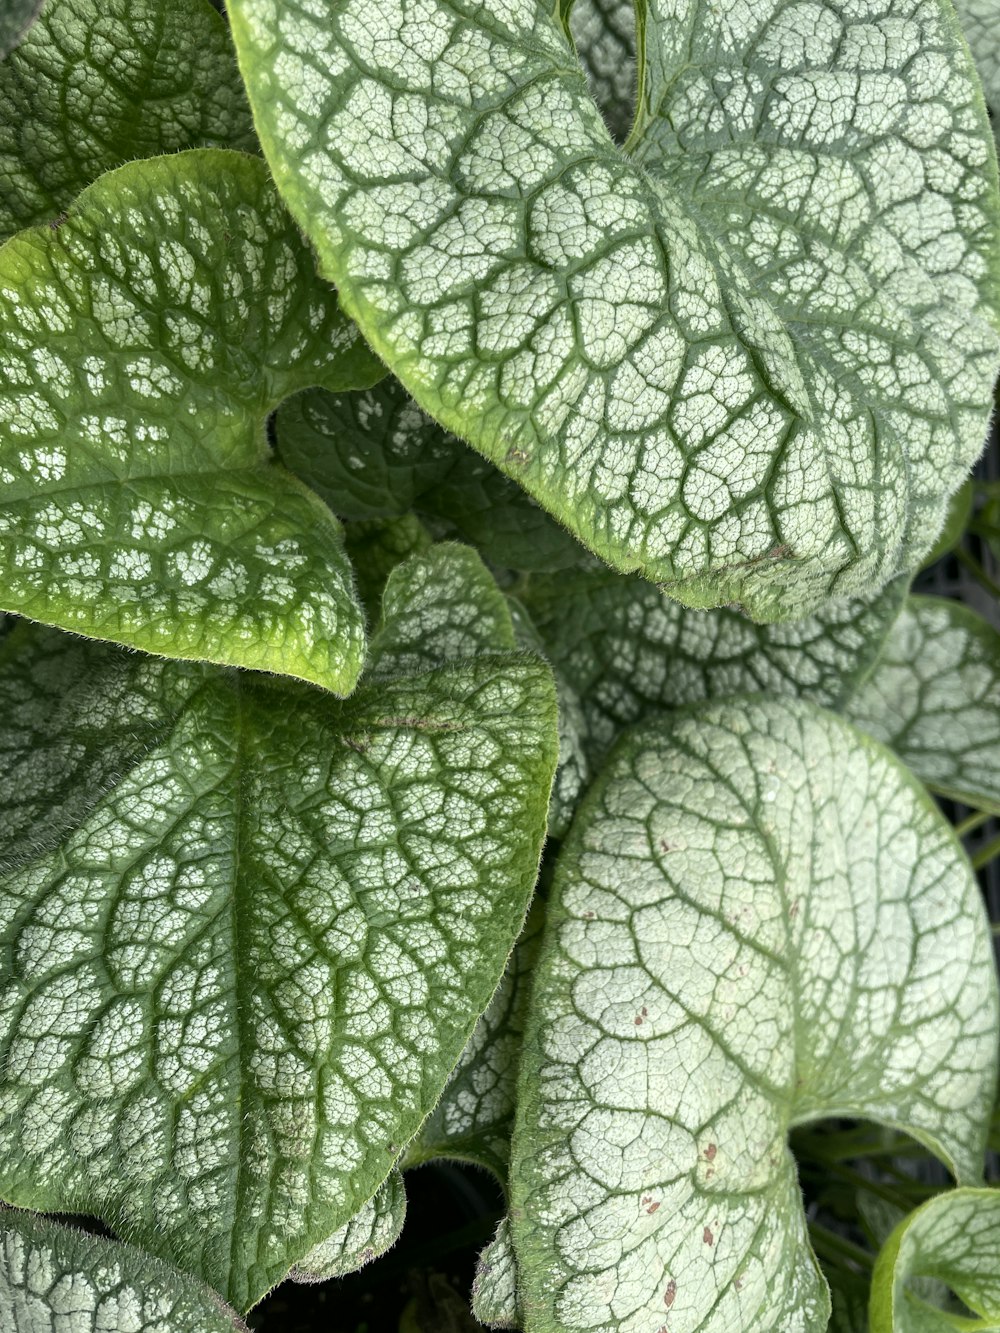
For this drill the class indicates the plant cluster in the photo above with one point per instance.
(462, 473)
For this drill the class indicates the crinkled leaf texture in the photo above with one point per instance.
(56, 1279)
(980, 21)
(759, 919)
(143, 343)
(751, 360)
(374, 1229)
(16, 17)
(954, 1239)
(97, 83)
(494, 1289)
(239, 972)
(375, 453)
(626, 651)
(934, 698)
(474, 1119)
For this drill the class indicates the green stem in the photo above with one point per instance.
(971, 822)
(838, 1246)
(986, 854)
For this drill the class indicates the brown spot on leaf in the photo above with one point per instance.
(588, 915)
(738, 1282)
(670, 1293)
(707, 1236)
(710, 1152)
(652, 1208)
(665, 846)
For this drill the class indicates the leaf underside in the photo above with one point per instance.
(238, 977)
(722, 961)
(97, 83)
(55, 1279)
(750, 360)
(144, 342)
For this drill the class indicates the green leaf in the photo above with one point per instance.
(750, 361)
(980, 20)
(494, 1290)
(55, 1279)
(759, 919)
(16, 17)
(849, 1303)
(376, 546)
(955, 1239)
(440, 605)
(375, 453)
(372, 1231)
(934, 698)
(236, 982)
(959, 513)
(144, 343)
(98, 83)
(628, 652)
(474, 1119)
(604, 35)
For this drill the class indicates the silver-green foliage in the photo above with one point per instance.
(139, 501)
(242, 961)
(55, 1279)
(759, 919)
(753, 357)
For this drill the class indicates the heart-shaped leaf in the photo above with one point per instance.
(55, 1279)
(627, 651)
(374, 1229)
(753, 358)
(759, 919)
(16, 17)
(144, 342)
(237, 977)
(98, 83)
(934, 698)
(375, 453)
(954, 1239)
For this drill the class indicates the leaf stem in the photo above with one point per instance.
(976, 569)
(986, 854)
(836, 1246)
(971, 822)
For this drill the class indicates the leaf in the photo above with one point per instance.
(98, 83)
(16, 17)
(628, 652)
(375, 453)
(953, 1238)
(235, 985)
(750, 361)
(474, 1119)
(980, 20)
(934, 698)
(605, 39)
(494, 1289)
(55, 1279)
(717, 969)
(439, 605)
(376, 546)
(372, 1231)
(144, 343)
(959, 513)
(849, 1302)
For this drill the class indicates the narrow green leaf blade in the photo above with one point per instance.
(97, 83)
(716, 969)
(955, 1239)
(55, 1279)
(235, 984)
(753, 360)
(372, 1231)
(628, 652)
(143, 344)
(934, 698)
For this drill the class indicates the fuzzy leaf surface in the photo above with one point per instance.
(97, 83)
(953, 1239)
(753, 359)
(143, 343)
(55, 1279)
(494, 1288)
(627, 651)
(980, 20)
(235, 984)
(372, 1230)
(375, 453)
(934, 698)
(715, 971)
